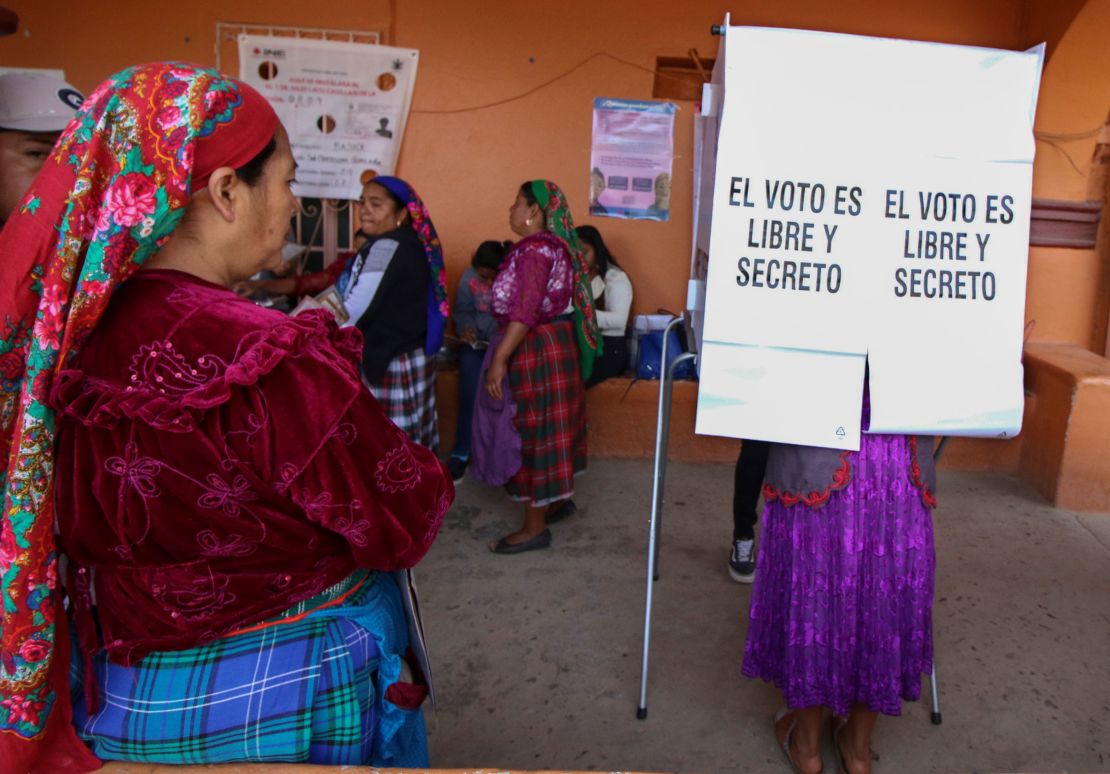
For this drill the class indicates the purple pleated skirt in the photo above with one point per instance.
(842, 605)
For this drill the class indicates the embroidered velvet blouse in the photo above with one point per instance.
(535, 281)
(219, 462)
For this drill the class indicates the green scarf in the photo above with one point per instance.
(557, 214)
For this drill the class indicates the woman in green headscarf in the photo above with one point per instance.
(544, 351)
(556, 212)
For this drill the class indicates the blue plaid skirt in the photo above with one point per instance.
(305, 688)
(407, 395)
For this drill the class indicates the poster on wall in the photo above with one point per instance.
(891, 247)
(345, 106)
(630, 160)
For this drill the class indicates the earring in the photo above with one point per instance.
(398, 224)
(528, 222)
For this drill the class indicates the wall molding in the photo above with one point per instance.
(1064, 223)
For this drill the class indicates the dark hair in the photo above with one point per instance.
(530, 197)
(251, 172)
(489, 254)
(592, 237)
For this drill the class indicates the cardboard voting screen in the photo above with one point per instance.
(870, 207)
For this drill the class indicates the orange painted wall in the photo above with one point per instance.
(1067, 289)
(1046, 21)
(1074, 99)
(1065, 451)
(467, 165)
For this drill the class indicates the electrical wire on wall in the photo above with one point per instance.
(1057, 139)
(1052, 139)
(551, 81)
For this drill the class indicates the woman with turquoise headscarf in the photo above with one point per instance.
(546, 346)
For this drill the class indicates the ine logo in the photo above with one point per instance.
(840, 432)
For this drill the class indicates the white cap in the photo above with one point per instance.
(33, 102)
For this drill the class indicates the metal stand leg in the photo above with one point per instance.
(667, 390)
(936, 694)
(662, 430)
(935, 717)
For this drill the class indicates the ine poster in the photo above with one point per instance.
(630, 165)
(344, 105)
(870, 210)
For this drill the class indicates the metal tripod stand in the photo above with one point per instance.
(662, 433)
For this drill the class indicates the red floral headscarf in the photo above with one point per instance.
(112, 192)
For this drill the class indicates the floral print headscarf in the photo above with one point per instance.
(557, 214)
(112, 192)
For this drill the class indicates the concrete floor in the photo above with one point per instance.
(537, 656)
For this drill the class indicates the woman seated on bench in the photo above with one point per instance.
(612, 300)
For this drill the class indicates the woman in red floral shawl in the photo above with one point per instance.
(224, 487)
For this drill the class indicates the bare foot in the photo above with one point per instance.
(849, 761)
(803, 764)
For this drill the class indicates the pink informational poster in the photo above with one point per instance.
(630, 162)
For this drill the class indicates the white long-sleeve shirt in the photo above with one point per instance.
(613, 320)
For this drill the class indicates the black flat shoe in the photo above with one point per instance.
(564, 511)
(457, 468)
(503, 546)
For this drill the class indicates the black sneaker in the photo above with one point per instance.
(457, 468)
(741, 562)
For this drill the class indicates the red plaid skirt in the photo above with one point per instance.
(550, 414)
